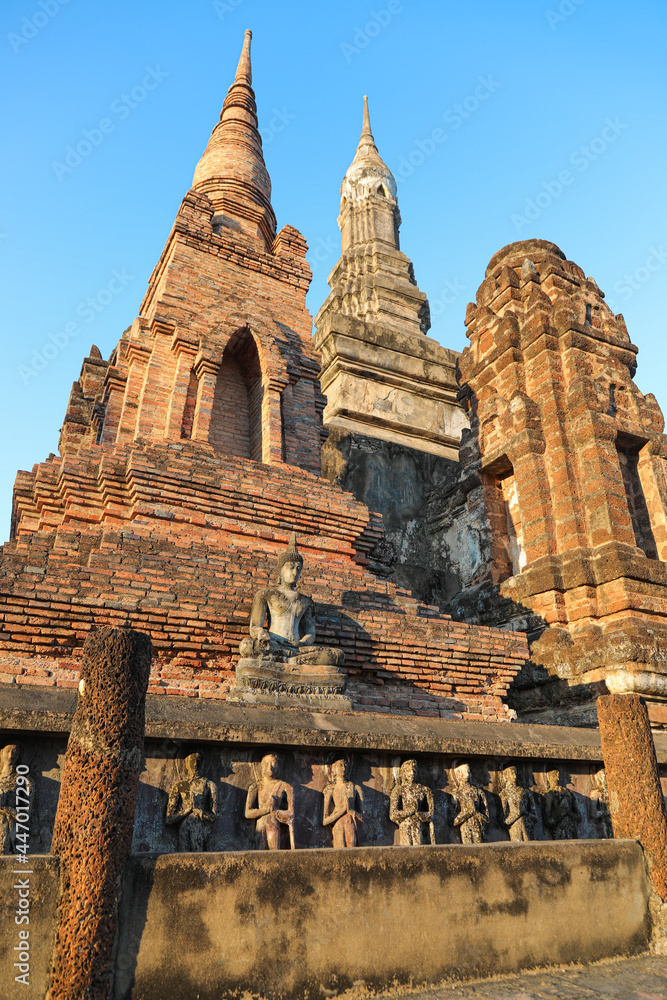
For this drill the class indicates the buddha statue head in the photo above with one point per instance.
(290, 563)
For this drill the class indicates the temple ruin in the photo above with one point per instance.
(370, 591)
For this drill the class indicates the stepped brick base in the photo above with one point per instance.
(176, 539)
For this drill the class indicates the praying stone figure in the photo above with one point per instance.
(411, 807)
(192, 805)
(343, 806)
(600, 816)
(472, 816)
(9, 756)
(519, 811)
(561, 810)
(281, 654)
(271, 802)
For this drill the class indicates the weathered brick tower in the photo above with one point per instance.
(191, 454)
(221, 353)
(563, 480)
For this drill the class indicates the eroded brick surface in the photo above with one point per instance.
(178, 539)
(562, 490)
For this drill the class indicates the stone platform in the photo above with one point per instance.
(280, 924)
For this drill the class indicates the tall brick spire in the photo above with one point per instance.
(221, 353)
(232, 171)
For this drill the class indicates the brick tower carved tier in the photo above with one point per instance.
(189, 457)
(563, 480)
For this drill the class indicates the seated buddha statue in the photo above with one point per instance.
(282, 624)
(281, 654)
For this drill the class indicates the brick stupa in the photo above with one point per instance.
(188, 458)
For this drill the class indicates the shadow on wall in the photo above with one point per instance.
(133, 913)
(370, 682)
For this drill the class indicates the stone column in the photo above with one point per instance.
(635, 796)
(95, 817)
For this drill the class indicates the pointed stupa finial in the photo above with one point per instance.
(367, 145)
(373, 281)
(244, 68)
(232, 172)
(368, 169)
(366, 127)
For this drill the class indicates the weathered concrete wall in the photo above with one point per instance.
(277, 924)
(397, 481)
(33, 915)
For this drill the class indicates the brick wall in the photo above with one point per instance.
(177, 539)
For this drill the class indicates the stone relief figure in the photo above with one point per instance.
(192, 805)
(343, 806)
(519, 810)
(411, 807)
(472, 811)
(270, 801)
(561, 810)
(599, 814)
(9, 758)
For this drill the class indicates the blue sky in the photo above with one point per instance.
(499, 121)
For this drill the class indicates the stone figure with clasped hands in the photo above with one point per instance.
(270, 801)
(411, 807)
(192, 805)
(519, 812)
(343, 806)
(282, 625)
(561, 809)
(600, 815)
(9, 756)
(472, 817)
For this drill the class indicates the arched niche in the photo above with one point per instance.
(236, 414)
